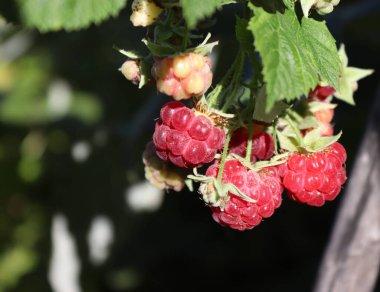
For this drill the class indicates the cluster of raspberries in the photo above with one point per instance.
(187, 138)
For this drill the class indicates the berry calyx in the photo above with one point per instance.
(314, 178)
(186, 137)
(263, 187)
(183, 76)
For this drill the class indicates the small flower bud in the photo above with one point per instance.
(325, 6)
(131, 70)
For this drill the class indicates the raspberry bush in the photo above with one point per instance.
(243, 143)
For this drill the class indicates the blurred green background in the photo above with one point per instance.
(75, 211)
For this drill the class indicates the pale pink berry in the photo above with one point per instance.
(183, 76)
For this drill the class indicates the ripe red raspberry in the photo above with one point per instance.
(183, 76)
(321, 92)
(264, 186)
(262, 143)
(160, 174)
(316, 177)
(186, 137)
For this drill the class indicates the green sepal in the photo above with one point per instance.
(204, 48)
(349, 78)
(130, 54)
(315, 106)
(315, 143)
(145, 67)
(261, 113)
(287, 142)
(159, 50)
(259, 165)
(222, 189)
(189, 184)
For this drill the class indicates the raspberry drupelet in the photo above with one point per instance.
(183, 76)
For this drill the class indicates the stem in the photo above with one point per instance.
(249, 142)
(216, 95)
(224, 155)
(295, 130)
(185, 41)
(235, 82)
(169, 17)
(257, 78)
(275, 141)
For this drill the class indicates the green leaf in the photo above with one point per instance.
(315, 143)
(196, 10)
(295, 55)
(260, 113)
(53, 15)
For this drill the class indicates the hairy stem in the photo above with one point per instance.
(295, 130)
(216, 96)
(249, 142)
(224, 156)
(235, 82)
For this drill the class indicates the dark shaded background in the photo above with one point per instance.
(178, 246)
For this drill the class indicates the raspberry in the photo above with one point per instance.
(316, 177)
(321, 92)
(262, 144)
(160, 174)
(131, 70)
(326, 129)
(144, 12)
(324, 116)
(186, 137)
(183, 76)
(264, 186)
